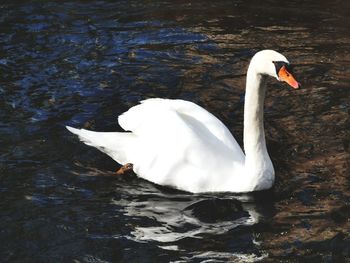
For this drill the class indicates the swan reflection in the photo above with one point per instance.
(168, 218)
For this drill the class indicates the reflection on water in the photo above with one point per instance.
(84, 63)
(174, 221)
(180, 222)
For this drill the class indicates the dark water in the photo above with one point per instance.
(83, 63)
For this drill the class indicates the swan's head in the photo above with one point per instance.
(274, 64)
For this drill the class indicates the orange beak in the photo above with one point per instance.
(286, 76)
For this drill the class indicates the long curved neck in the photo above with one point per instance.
(257, 160)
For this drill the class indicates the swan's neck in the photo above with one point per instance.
(258, 164)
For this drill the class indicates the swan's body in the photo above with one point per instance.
(179, 144)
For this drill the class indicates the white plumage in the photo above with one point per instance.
(179, 144)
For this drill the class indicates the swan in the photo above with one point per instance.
(179, 144)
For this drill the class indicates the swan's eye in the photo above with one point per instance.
(279, 65)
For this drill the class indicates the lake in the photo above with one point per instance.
(82, 63)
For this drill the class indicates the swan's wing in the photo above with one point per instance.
(182, 145)
(138, 119)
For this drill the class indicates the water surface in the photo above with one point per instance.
(83, 63)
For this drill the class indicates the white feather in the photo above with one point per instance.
(180, 144)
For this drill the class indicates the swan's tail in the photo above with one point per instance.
(118, 145)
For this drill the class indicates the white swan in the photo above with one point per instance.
(179, 144)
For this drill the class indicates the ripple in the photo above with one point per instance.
(84, 63)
